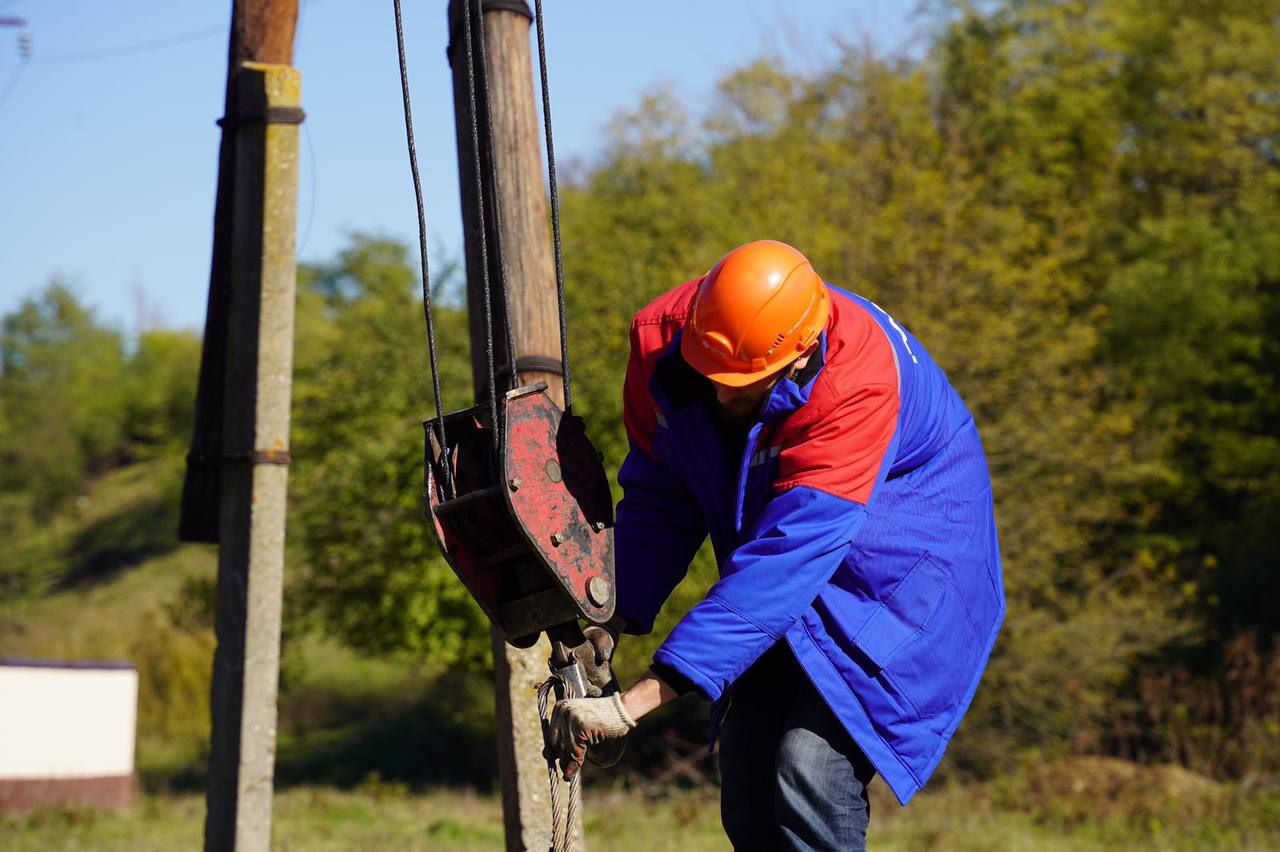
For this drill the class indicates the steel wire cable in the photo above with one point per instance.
(564, 814)
(555, 208)
(513, 379)
(422, 250)
(484, 244)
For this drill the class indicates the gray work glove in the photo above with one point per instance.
(580, 722)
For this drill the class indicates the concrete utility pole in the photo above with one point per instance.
(512, 187)
(237, 476)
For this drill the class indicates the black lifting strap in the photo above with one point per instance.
(478, 101)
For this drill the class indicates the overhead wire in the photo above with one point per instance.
(130, 49)
(12, 82)
(147, 46)
(311, 200)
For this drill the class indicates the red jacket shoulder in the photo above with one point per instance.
(667, 312)
(837, 442)
(652, 330)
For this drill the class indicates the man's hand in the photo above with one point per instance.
(579, 722)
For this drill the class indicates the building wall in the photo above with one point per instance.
(67, 734)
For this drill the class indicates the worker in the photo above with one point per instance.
(846, 494)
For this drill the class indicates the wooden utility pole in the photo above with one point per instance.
(512, 190)
(237, 475)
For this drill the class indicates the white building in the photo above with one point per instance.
(67, 733)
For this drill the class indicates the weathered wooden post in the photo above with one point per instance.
(515, 209)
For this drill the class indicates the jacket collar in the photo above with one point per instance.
(682, 385)
(792, 392)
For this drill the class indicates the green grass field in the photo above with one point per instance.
(392, 754)
(388, 817)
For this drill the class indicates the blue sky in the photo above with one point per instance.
(108, 146)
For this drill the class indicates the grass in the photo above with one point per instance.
(378, 815)
(117, 560)
(392, 754)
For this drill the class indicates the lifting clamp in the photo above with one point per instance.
(528, 529)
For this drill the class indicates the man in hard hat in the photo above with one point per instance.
(846, 494)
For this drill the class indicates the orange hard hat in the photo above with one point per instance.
(756, 311)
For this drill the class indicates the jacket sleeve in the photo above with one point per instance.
(659, 525)
(658, 530)
(825, 482)
(765, 585)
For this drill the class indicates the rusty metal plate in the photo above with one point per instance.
(558, 492)
(532, 538)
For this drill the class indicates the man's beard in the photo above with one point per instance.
(739, 415)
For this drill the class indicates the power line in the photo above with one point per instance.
(12, 81)
(130, 49)
(146, 46)
(311, 212)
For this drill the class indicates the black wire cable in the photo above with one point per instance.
(484, 244)
(555, 209)
(422, 249)
(497, 203)
(12, 82)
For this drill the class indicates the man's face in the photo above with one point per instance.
(740, 405)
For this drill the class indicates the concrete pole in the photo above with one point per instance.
(255, 454)
(261, 31)
(513, 183)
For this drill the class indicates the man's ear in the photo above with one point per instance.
(803, 361)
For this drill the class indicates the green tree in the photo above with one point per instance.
(61, 391)
(160, 389)
(370, 570)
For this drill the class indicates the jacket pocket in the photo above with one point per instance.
(920, 641)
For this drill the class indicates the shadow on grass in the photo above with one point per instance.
(121, 541)
(419, 733)
(349, 722)
(421, 744)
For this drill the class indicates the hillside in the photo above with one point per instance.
(116, 584)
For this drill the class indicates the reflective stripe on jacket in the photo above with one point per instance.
(855, 522)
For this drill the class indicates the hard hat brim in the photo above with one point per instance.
(722, 375)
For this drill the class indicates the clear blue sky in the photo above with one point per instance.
(108, 148)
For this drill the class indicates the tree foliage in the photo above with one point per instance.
(370, 571)
(1073, 203)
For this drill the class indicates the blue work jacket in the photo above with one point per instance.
(853, 520)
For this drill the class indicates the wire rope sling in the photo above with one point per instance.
(518, 497)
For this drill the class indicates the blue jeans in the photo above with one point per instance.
(791, 778)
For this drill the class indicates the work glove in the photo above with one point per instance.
(580, 722)
(594, 657)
